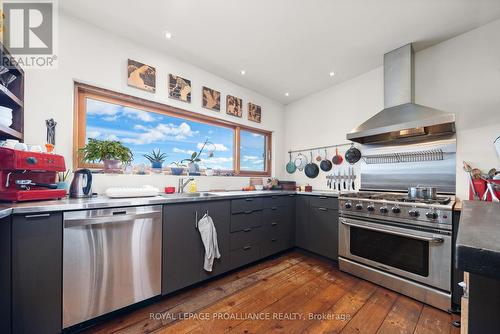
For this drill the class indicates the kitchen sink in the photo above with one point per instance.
(193, 195)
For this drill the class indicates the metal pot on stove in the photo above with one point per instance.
(423, 192)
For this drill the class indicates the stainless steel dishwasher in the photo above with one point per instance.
(112, 259)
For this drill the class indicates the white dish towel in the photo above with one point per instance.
(208, 235)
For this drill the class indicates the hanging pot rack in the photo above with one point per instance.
(319, 148)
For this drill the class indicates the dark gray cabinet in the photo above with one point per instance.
(183, 250)
(219, 211)
(5, 244)
(324, 232)
(37, 273)
(302, 221)
(316, 225)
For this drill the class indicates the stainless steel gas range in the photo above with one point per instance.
(402, 243)
(398, 242)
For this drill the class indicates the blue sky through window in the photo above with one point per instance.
(252, 151)
(143, 131)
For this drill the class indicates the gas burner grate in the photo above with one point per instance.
(439, 200)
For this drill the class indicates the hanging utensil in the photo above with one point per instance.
(311, 170)
(326, 165)
(290, 166)
(467, 168)
(337, 158)
(300, 161)
(353, 186)
(352, 155)
(318, 157)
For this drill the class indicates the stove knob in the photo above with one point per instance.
(396, 209)
(414, 213)
(370, 208)
(348, 205)
(31, 160)
(359, 206)
(431, 215)
(383, 209)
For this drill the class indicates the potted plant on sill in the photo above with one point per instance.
(112, 153)
(192, 161)
(156, 158)
(179, 169)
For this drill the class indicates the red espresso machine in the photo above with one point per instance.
(29, 176)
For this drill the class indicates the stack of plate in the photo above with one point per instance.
(5, 116)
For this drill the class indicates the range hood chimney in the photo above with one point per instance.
(402, 119)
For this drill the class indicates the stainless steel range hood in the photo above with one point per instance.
(402, 119)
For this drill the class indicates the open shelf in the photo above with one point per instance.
(10, 133)
(9, 99)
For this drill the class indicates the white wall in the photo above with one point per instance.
(460, 75)
(90, 55)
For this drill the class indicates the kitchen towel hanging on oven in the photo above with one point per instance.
(208, 234)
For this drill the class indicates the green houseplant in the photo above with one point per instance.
(156, 158)
(178, 169)
(195, 158)
(110, 152)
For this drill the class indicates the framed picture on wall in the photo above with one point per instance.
(211, 98)
(141, 76)
(254, 112)
(234, 106)
(179, 88)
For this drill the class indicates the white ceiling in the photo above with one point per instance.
(285, 45)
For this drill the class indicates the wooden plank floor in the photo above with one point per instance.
(292, 293)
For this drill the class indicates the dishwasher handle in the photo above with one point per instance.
(119, 218)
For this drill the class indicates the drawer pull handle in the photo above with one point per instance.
(248, 212)
(322, 209)
(42, 215)
(248, 199)
(247, 248)
(119, 213)
(274, 223)
(322, 197)
(274, 239)
(247, 230)
(274, 208)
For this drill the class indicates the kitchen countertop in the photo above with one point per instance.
(98, 202)
(478, 246)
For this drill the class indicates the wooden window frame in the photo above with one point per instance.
(84, 91)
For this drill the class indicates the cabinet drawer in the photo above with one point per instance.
(274, 215)
(325, 202)
(273, 245)
(245, 220)
(274, 201)
(246, 204)
(244, 255)
(245, 237)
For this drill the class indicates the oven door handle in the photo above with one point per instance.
(434, 240)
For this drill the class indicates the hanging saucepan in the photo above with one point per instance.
(337, 158)
(311, 170)
(352, 155)
(290, 166)
(325, 165)
(300, 161)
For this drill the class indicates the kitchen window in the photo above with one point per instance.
(144, 126)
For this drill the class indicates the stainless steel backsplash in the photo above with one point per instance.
(398, 176)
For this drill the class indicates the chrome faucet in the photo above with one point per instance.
(182, 184)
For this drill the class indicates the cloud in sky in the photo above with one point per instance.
(218, 147)
(114, 111)
(159, 133)
(250, 158)
(180, 150)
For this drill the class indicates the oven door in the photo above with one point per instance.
(422, 255)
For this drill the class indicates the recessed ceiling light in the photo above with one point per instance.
(287, 94)
(332, 73)
(168, 35)
(243, 72)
